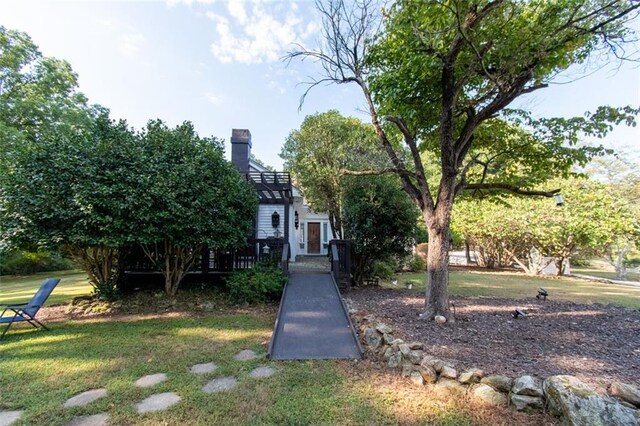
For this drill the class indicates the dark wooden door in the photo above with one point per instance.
(313, 243)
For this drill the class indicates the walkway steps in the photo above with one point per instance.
(313, 322)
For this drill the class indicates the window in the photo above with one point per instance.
(302, 232)
(325, 232)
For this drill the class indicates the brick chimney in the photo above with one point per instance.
(241, 149)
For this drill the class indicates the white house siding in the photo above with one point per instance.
(265, 211)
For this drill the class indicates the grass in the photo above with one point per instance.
(515, 285)
(17, 289)
(46, 368)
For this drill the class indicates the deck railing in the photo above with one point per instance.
(340, 257)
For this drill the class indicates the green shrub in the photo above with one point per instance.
(258, 284)
(416, 263)
(29, 262)
(383, 269)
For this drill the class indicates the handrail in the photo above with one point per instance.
(284, 260)
(335, 261)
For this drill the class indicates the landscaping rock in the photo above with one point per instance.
(397, 342)
(220, 384)
(471, 376)
(209, 367)
(447, 387)
(158, 402)
(489, 395)
(416, 378)
(498, 382)
(439, 319)
(384, 328)
(405, 349)
(527, 403)
(527, 385)
(448, 372)
(9, 417)
(85, 398)
(625, 392)
(576, 404)
(428, 374)
(407, 369)
(388, 339)
(417, 346)
(150, 380)
(245, 355)
(387, 353)
(395, 360)
(90, 420)
(372, 338)
(262, 372)
(415, 356)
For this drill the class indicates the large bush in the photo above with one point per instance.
(24, 262)
(261, 283)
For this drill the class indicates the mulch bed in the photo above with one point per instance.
(596, 343)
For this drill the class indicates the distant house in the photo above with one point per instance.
(282, 211)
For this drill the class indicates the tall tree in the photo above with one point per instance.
(439, 72)
(197, 199)
(320, 151)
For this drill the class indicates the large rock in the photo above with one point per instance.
(576, 404)
(407, 369)
(405, 349)
(527, 385)
(433, 362)
(498, 382)
(395, 360)
(417, 378)
(415, 356)
(473, 375)
(527, 403)
(384, 328)
(388, 353)
(448, 387)
(448, 372)
(372, 338)
(625, 392)
(388, 339)
(418, 346)
(428, 374)
(489, 395)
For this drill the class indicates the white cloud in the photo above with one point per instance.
(257, 32)
(131, 43)
(214, 98)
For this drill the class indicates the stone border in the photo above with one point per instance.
(563, 396)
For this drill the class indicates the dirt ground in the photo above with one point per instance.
(598, 344)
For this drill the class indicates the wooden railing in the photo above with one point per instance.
(340, 257)
(284, 259)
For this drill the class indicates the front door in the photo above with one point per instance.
(313, 245)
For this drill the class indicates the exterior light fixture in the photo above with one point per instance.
(558, 199)
(266, 249)
(296, 219)
(275, 219)
(277, 233)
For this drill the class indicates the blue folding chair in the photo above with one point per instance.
(27, 311)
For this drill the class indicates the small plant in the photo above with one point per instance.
(383, 269)
(259, 284)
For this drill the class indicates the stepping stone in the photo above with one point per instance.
(262, 372)
(245, 355)
(158, 402)
(85, 398)
(220, 384)
(150, 380)
(91, 420)
(9, 417)
(204, 368)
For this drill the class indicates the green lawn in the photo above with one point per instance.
(43, 369)
(611, 275)
(516, 285)
(17, 289)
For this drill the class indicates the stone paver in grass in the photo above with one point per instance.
(158, 402)
(262, 372)
(85, 398)
(245, 355)
(150, 380)
(9, 417)
(209, 367)
(90, 420)
(220, 384)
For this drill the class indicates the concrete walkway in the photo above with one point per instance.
(313, 322)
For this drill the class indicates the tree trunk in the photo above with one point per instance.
(559, 262)
(467, 252)
(437, 292)
(621, 268)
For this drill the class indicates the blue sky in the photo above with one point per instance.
(217, 64)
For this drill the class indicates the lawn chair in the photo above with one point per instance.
(27, 311)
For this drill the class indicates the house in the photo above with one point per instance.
(282, 211)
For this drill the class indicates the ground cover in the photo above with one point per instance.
(17, 289)
(516, 285)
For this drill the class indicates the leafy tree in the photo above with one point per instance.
(379, 219)
(318, 154)
(77, 190)
(197, 199)
(440, 74)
